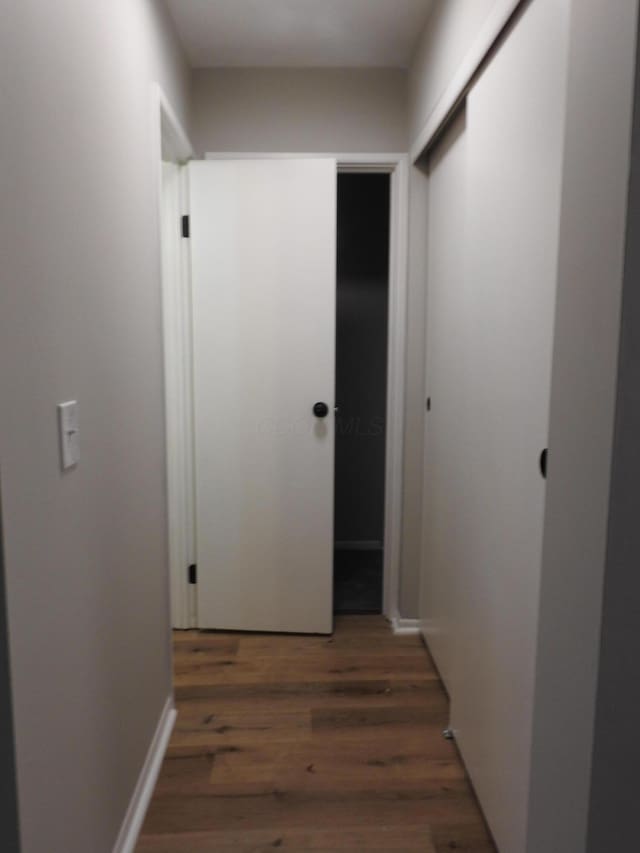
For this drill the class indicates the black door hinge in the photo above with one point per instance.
(186, 232)
(193, 573)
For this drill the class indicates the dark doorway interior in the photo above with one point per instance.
(361, 390)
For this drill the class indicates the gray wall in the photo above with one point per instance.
(613, 819)
(85, 551)
(299, 110)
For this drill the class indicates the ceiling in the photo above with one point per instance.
(299, 33)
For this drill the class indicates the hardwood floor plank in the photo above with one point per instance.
(315, 668)
(379, 839)
(307, 694)
(365, 767)
(333, 719)
(303, 766)
(260, 645)
(426, 805)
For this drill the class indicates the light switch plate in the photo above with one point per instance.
(69, 436)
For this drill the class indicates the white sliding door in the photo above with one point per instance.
(444, 468)
(490, 370)
(263, 238)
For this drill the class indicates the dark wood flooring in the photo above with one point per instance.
(311, 743)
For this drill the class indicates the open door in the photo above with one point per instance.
(263, 235)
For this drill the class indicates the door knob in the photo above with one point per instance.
(320, 410)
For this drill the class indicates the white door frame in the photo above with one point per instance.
(395, 165)
(171, 144)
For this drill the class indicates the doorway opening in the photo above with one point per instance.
(373, 565)
(362, 320)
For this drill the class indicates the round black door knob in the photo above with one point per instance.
(320, 410)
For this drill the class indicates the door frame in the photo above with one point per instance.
(397, 167)
(171, 144)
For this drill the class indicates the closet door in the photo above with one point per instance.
(445, 369)
(514, 147)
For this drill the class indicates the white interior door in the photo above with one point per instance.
(492, 288)
(263, 236)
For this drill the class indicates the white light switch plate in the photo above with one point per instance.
(69, 437)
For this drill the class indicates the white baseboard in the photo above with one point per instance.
(143, 792)
(405, 626)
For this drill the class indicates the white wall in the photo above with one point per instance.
(450, 31)
(581, 434)
(299, 110)
(86, 551)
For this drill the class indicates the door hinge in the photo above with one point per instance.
(193, 573)
(186, 226)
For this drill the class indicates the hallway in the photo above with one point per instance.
(310, 743)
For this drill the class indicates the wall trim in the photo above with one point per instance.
(401, 626)
(498, 20)
(396, 165)
(139, 803)
(174, 141)
(172, 145)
